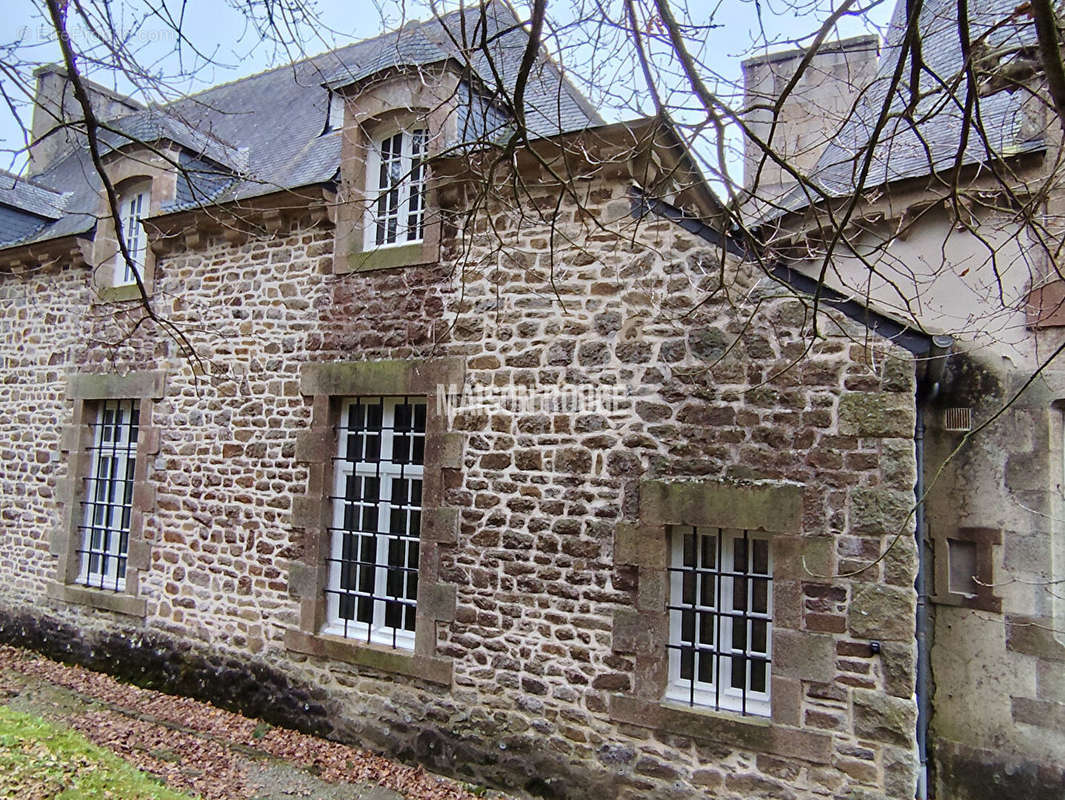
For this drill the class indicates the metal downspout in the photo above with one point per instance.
(924, 673)
(928, 387)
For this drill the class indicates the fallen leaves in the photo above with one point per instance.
(200, 749)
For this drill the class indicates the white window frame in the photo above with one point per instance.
(133, 207)
(374, 631)
(406, 179)
(706, 694)
(109, 496)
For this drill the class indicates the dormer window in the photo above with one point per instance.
(395, 177)
(334, 120)
(133, 206)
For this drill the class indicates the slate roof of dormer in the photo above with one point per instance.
(25, 195)
(155, 124)
(408, 47)
(26, 208)
(906, 151)
(264, 133)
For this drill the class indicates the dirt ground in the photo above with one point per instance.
(199, 749)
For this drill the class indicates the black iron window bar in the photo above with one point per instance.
(720, 620)
(373, 561)
(108, 498)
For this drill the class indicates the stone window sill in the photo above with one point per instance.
(118, 294)
(335, 648)
(408, 255)
(759, 734)
(119, 602)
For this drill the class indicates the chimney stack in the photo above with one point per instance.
(811, 115)
(55, 108)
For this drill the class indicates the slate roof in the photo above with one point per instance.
(155, 124)
(30, 197)
(906, 151)
(26, 208)
(408, 47)
(263, 133)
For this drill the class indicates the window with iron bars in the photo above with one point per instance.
(108, 502)
(396, 182)
(376, 519)
(720, 620)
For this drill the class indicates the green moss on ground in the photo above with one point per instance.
(39, 760)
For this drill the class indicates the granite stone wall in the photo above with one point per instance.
(716, 384)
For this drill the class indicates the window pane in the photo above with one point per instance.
(709, 547)
(108, 494)
(758, 676)
(688, 590)
(708, 590)
(761, 557)
(760, 601)
(687, 626)
(703, 563)
(397, 189)
(375, 476)
(689, 550)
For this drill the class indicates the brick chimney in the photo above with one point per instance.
(813, 112)
(55, 107)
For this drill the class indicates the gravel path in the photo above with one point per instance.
(199, 749)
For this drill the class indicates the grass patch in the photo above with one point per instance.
(40, 761)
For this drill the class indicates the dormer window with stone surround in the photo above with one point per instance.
(133, 207)
(396, 189)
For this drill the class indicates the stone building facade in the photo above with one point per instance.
(541, 652)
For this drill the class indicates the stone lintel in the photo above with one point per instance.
(721, 504)
(103, 386)
(352, 378)
(332, 648)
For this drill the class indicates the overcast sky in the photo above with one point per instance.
(230, 47)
